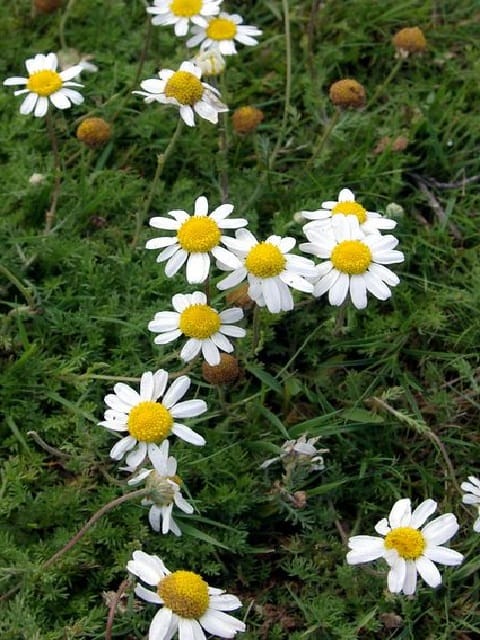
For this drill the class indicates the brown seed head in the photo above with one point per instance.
(239, 297)
(246, 119)
(47, 6)
(224, 373)
(409, 40)
(347, 93)
(94, 132)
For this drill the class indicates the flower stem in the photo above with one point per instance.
(380, 88)
(161, 160)
(57, 167)
(255, 328)
(63, 22)
(223, 147)
(322, 139)
(132, 495)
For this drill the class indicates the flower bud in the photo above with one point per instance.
(211, 62)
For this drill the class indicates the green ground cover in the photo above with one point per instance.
(392, 390)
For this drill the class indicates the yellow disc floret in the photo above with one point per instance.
(351, 256)
(150, 422)
(198, 234)
(265, 260)
(199, 321)
(185, 8)
(44, 83)
(185, 593)
(185, 87)
(350, 208)
(221, 29)
(408, 542)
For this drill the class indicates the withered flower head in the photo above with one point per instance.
(246, 119)
(348, 93)
(94, 132)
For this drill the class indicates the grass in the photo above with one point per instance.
(392, 391)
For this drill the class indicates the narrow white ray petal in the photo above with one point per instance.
(185, 433)
(429, 572)
(177, 390)
(189, 408)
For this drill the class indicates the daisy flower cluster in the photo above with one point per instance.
(216, 33)
(349, 240)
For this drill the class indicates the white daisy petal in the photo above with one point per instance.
(185, 433)
(410, 582)
(429, 572)
(120, 448)
(441, 529)
(422, 513)
(221, 624)
(189, 409)
(177, 390)
(397, 575)
(147, 595)
(443, 555)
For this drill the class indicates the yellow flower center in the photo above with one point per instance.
(351, 256)
(150, 422)
(185, 593)
(185, 8)
(408, 542)
(44, 83)
(198, 234)
(351, 209)
(199, 321)
(265, 260)
(185, 87)
(221, 29)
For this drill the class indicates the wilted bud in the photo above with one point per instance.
(394, 210)
(47, 6)
(211, 62)
(239, 297)
(409, 40)
(94, 132)
(347, 93)
(36, 178)
(246, 119)
(224, 373)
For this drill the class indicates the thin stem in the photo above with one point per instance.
(161, 160)
(132, 495)
(113, 607)
(340, 319)
(20, 286)
(63, 22)
(223, 146)
(47, 447)
(286, 108)
(57, 167)
(380, 88)
(322, 139)
(255, 328)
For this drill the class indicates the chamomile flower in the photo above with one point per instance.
(184, 89)
(147, 421)
(270, 270)
(346, 205)
(44, 85)
(166, 489)
(472, 496)
(205, 328)
(354, 261)
(182, 12)
(189, 603)
(223, 31)
(197, 236)
(408, 549)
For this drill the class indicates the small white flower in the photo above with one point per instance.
(472, 496)
(147, 421)
(36, 178)
(222, 32)
(44, 85)
(270, 269)
(299, 452)
(165, 485)
(183, 12)
(197, 236)
(205, 328)
(354, 262)
(369, 221)
(184, 89)
(210, 61)
(407, 549)
(189, 603)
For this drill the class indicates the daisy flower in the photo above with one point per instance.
(472, 496)
(205, 328)
(354, 261)
(189, 603)
(222, 32)
(184, 89)
(44, 84)
(370, 221)
(181, 12)
(269, 268)
(147, 421)
(197, 236)
(407, 549)
(165, 485)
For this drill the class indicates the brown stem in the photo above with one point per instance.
(47, 447)
(96, 516)
(113, 608)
